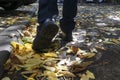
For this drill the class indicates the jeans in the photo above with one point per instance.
(49, 8)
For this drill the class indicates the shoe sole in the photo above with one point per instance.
(49, 30)
(45, 36)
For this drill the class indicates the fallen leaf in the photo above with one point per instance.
(87, 55)
(5, 78)
(50, 68)
(84, 77)
(80, 67)
(116, 41)
(66, 74)
(51, 75)
(50, 54)
(90, 75)
(31, 77)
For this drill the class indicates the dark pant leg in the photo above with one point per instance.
(67, 23)
(47, 9)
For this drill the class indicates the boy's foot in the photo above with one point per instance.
(66, 37)
(45, 35)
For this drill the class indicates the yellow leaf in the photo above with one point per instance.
(69, 51)
(66, 73)
(50, 68)
(28, 46)
(5, 78)
(52, 78)
(31, 64)
(100, 47)
(90, 75)
(62, 68)
(89, 55)
(51, 75)
(30, 79)
(84, 77)
(15, 45)
(50, 54)
(36, 56)
(116, 41)
(32, 75)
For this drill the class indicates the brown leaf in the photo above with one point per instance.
(80, 67)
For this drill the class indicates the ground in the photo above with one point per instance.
(97, 25)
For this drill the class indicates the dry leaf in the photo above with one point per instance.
(51, 75)
(90, 75)
(61, 68)
(50, 68)
(27, 39)
(28, 46)
(73, 49)
(90, 55)
(116, 41)
(50, 54)
(100, 47)
(16, 44)
(31, 64)
(5, 78)
(87, 55)
(30, 79)
(80, 67)
(27, 33)
(66, 74)
(84, 77)
(36, 56)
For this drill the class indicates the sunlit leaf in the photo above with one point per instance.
(28, 46)
(116, 41)
(90, 75)
(51, 75)
(80, 67)
(50, 68)
(16, 44)
(84, 77)
(73, 49)
(27, 39)
(31, 64)
(6, 78)
(62, 68)
(50, 54)
(87, 55)
(36, 56)
(66, 74)
(31, 77)
(27, 33)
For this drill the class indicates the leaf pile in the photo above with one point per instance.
(48, 65)
(24, 58)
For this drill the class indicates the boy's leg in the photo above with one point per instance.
(67, 23)
(48, 28)
(47, 9)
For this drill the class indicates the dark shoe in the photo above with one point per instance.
(45, 35)
(66, 37)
